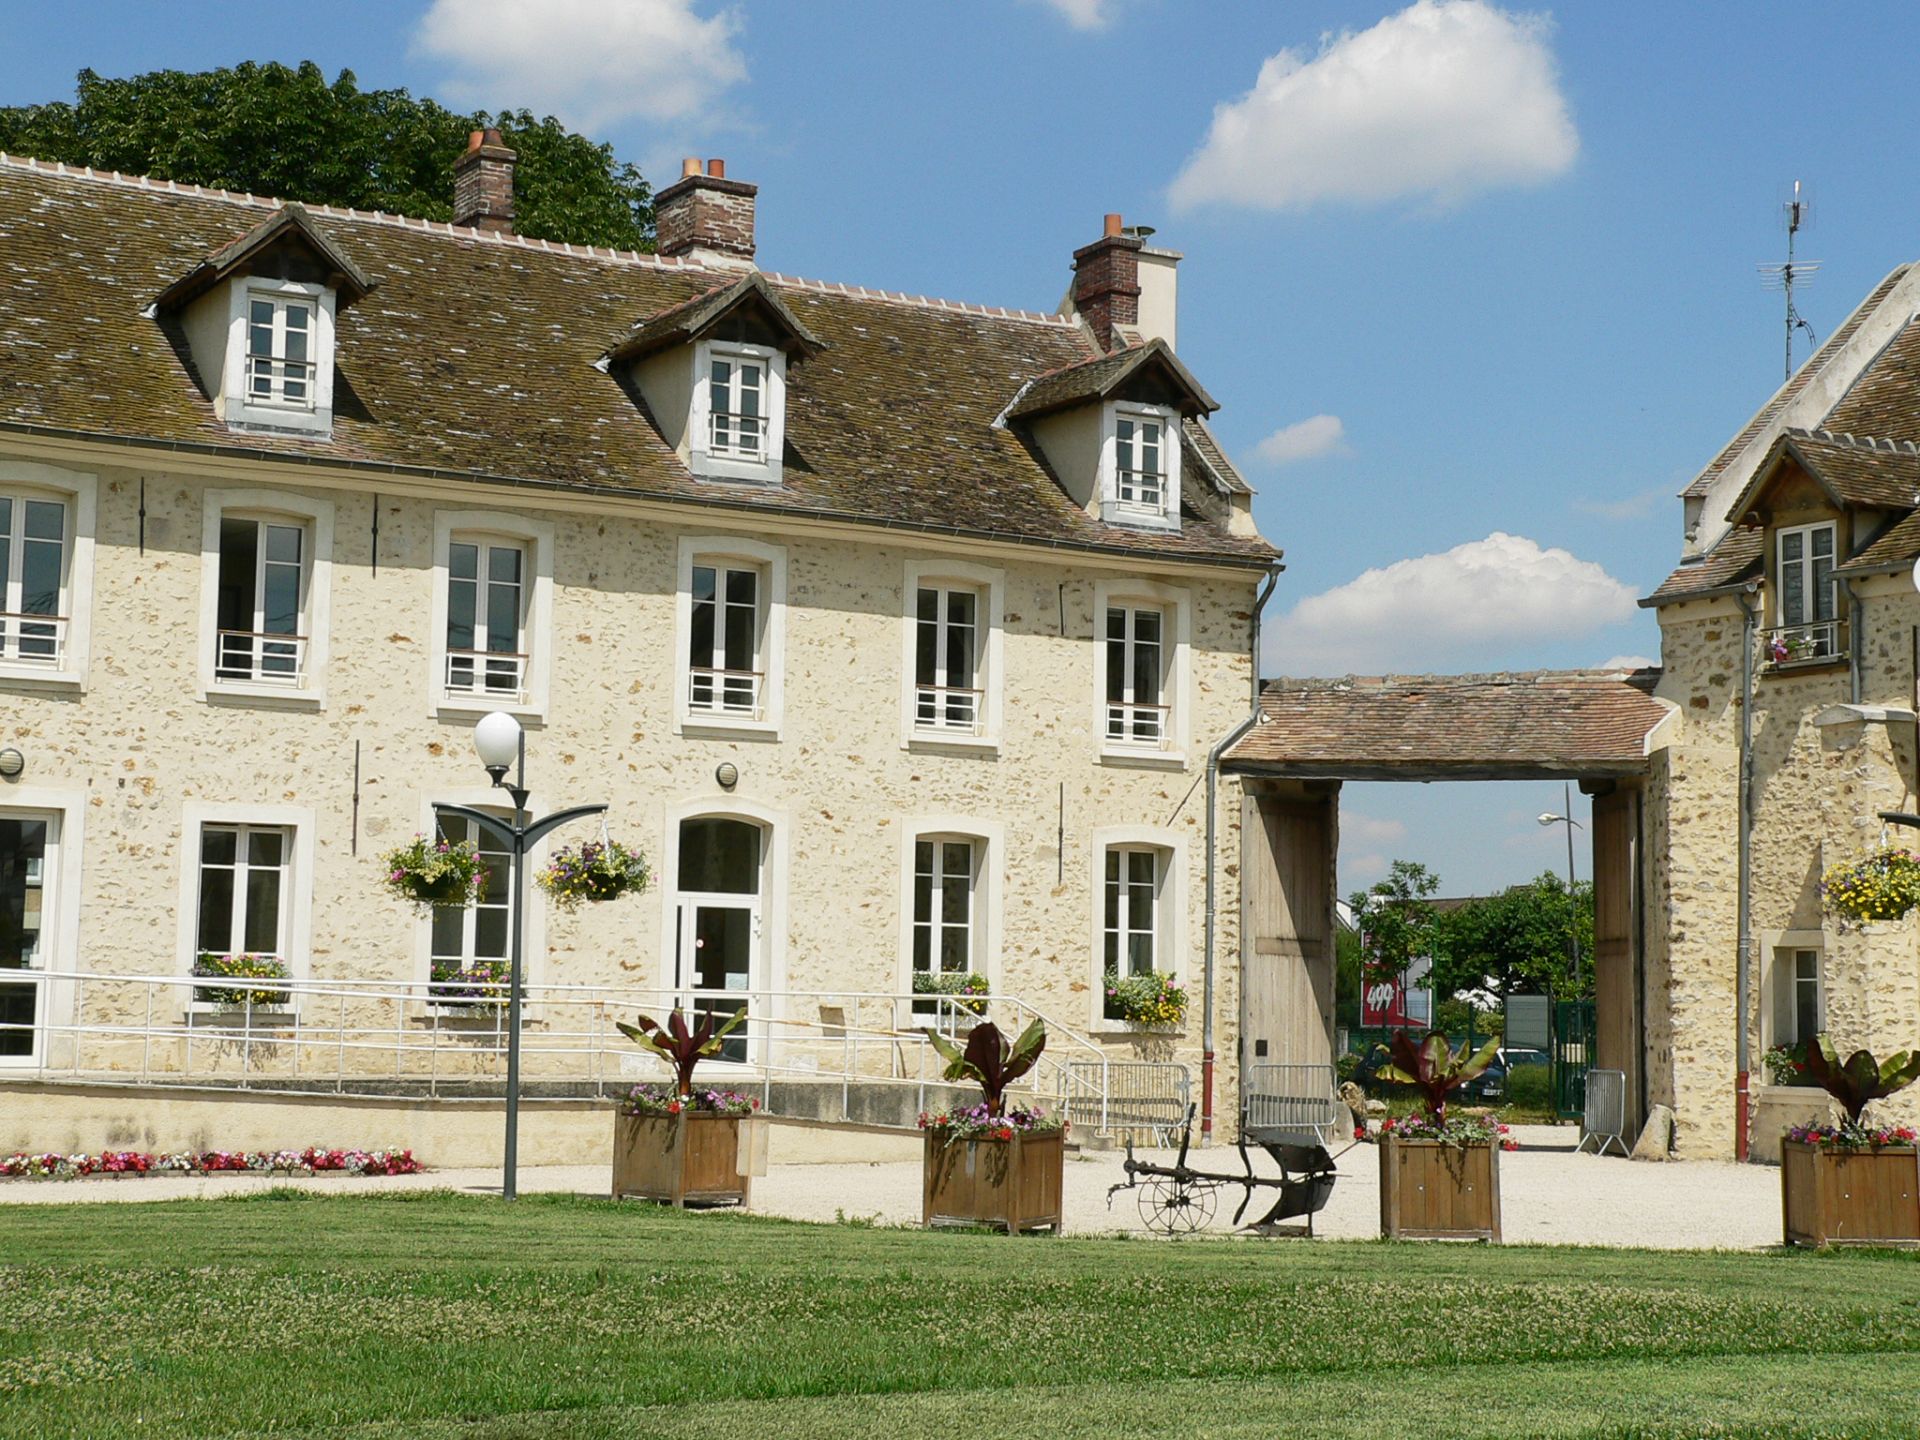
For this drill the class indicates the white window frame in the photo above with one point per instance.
(284, 507)
(57, 993)
(533, 934)
(1809, 627)
(1783, 950)
(78, 491)
(771, 561)
(989, 914)
(989, 651)
(702, 459)
(775, 827)
(296, 889)
(1176, 646)
(238, 408)
(1117, 511)
(537, 633)
(1173, 901)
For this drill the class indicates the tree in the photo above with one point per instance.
(1517, 940)
(1395, 919)
(272, 130)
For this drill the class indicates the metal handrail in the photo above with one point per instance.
(352, 1033)
(1124, 716)
(727, 428)
(260, 657)
(1814, 640)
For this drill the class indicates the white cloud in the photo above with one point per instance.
(1443, 100)
(1084, 14)
(1630, 662)
(1356, 829)
(1307, 439)
(1627, 507)
(594, 63)
(1489, 603)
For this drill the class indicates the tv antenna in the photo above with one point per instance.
(1796, 212)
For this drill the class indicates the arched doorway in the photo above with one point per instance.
(717, 922)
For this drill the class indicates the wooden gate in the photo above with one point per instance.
(1287, 970)
(1616, 1034)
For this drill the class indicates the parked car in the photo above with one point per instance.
(1491, 1083)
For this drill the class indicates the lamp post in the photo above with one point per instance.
(502, 745)
(1573, 932)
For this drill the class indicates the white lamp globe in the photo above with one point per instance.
(497, 739)
(1544, 819)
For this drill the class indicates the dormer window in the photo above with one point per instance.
(1140, 461)
(1807, 623)
(280, 349)
(737, 405)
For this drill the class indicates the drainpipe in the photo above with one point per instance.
(1213, 780)
(1743, 974)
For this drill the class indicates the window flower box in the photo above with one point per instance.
(1860, 1194)
(700, 1149)
(480, 989)
(1009, 1179)
(1439, 1189)
(1153, 1002)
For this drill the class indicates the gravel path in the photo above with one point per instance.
(1549, 1195)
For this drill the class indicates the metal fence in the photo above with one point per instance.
(379, 1039)
(1147, 1095)
(1297, 1098)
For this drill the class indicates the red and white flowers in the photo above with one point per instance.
(311, 1161)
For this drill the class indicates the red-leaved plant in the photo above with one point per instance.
(1433, 1068)
(1862, 1080)
(680, 1045)
(990, 1061)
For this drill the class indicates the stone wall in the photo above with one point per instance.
(142, 744)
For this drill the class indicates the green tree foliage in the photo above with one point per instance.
(1517, 940)
(274, 130)
(1395, 919)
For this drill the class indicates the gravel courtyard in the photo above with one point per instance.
(1549, 1194)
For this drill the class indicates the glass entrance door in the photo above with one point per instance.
(719, 922)
(719, 941)
(27, 862)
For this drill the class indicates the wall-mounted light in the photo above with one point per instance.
(728, 774)
(12, 762)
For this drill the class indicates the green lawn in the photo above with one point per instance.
(437, 1316)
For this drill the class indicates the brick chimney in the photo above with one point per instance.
(483, 184)
(705, 217)
(1106, 281)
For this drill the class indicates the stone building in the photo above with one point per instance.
(895, 630)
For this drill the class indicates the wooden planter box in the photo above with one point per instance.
(1433, 1191)
(1012, 1184)
(1850, 1197)
(684, 1159)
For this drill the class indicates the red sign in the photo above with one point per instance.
(1383, 1005)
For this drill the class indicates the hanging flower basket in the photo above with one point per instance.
(484, 983)
(435, 872)
(1883, 886)
(596, 870)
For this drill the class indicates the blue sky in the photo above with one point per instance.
(1474, 284)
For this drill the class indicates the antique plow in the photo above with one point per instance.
(1177, 1199)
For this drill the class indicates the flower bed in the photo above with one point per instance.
(311, 1161)
(1146, 1000)
(661, 1100)
(975, 1122)
(1456, 1130)
(1883, 886)
(594, 871)
(1853, 1137)
(956, 985)
(482, 983)
(241, 967)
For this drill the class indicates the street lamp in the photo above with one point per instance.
(502, 745)
(1573, 929)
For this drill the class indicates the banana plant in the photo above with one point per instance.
(989, 1061)
(680, 1045)
(1862, 1080)
(1432, 1067)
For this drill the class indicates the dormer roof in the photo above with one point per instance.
(1851, 471)
(1104, 376)
(692, 319)
(291, 224)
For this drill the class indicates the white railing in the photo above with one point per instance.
(1789, 643)
(384, 1038)
(272, 380)
(1144, 488)
(946, 707)
(261, 659)
(495, 673)
(737, 437)
(1135, 724)
(33, 639)
(725, 692)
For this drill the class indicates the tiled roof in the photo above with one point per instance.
(1885, 399)
(1884, 474)
(1096, 378)
(690, 318)
(1894, 548)
(1800, 379)
(1200, 437)
(1734, 561)
(474, 356)
(1532, 724)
